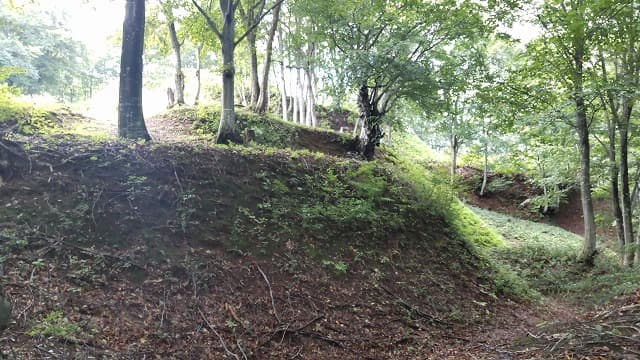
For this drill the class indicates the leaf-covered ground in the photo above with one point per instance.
(187, 251)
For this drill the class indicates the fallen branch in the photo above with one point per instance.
(285, 330)
(95, 253)
(226, 349)
(273, 303)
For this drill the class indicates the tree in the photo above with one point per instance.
(50, 60)
(130, 118)
(568, 33)
(196, 31)
(176, 45)
(618, 62)
(459, 75)
(263, 99)
(382, 49)
(228, 131)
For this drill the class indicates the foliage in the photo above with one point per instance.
(50, 61)
(56, 325)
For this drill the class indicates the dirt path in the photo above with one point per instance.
(161, 128)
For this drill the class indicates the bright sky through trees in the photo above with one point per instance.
(90, 22)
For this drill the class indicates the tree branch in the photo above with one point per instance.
(210, 23)
(257, 22)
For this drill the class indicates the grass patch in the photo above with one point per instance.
(269, 130)
(547, 258)
(58, 326)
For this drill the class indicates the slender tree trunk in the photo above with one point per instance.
(312, 120)
(300, 98)
(263, 99)
(198, 74)
(179, 75)
(355, 127)
(253, 70)
(625, 191)
(485, 170)
(130, 117)
(608, 101)
(296, 103)
(454, 145)
(283, 94)
(582, 127)
(615, 190)
(228, 130)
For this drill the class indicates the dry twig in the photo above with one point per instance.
(226, 349)
(273, 303)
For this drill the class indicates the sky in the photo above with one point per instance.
(91, 22)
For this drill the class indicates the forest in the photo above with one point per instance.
(283, 179)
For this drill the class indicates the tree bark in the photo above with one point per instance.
(370, 117)
(623, 130)
(454, 144)
(485, 170)
(582, 128)
(196, 101)
(615, 190)
(300, 98)
(253, 70)
(228, 130)
(295, 104)
(283, 94)
(130, 117)
(312, 119)
(263, 99)
(176, 46)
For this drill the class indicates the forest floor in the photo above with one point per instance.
(171, 290)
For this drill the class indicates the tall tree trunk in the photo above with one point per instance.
(263, 99)
(582, 127)
(623, 130)
(283, 94)
(370, 117)
(312, 120)
(253, 70)
(302, 117)
(454, 144)
(179, 75)
(485, 170)
(228, 130)
(608, 101)
(614, 175)
(196, 101)
(295, 103)
(130, 117)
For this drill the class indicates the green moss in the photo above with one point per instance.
(28, 120)
(472, 228)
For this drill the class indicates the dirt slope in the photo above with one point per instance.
(128, 251)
